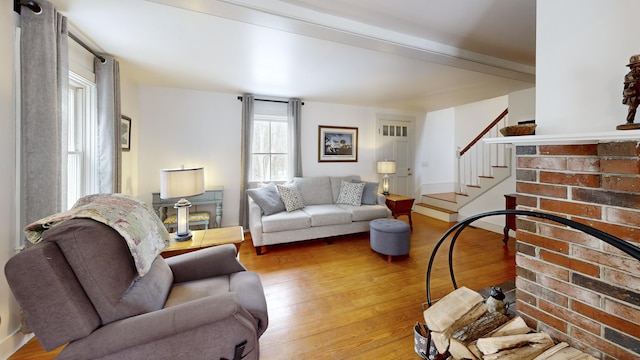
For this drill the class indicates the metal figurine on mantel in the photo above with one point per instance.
(631, 93)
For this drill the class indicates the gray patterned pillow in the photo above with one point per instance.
(370, 192)
(291, 197)
(267, 198)
(350, 193)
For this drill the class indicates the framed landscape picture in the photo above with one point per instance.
(125, 133)
(337, 143)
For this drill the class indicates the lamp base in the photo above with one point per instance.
(183, 237)
(385, 193)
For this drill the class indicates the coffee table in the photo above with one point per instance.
(206, 238)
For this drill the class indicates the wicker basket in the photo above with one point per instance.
(518, 130)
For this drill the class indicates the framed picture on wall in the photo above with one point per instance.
(337, 143)
(125, 133)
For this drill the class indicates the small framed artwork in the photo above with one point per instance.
(125, 133)
(337, 143)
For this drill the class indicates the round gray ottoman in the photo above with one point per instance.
(390, 237)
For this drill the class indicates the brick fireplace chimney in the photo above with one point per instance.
(571, 285)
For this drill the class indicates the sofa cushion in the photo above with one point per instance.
(192, 290)
(314, 190)
(291, 197)
(284, 221)
(366, 212)
(323, 215)
(101, 261)
(350, 193)
(336, 183)
(370, 193)
(268, 198)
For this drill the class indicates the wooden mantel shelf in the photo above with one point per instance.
(563, 139)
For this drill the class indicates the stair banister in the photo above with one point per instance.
(484, 132)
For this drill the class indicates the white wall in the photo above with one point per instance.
(435, 153)
(364, 118)
(10, 339)
(186, 127)
(190, 128)
(522, 106)
(472, 118)
(445, 130)
(130, 108)
(583, 47)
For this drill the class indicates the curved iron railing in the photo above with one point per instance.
(625, 246)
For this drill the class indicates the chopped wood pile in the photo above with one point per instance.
(462, 325)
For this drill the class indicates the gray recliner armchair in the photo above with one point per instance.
(80, 287)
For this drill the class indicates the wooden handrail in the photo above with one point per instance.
(486, 130)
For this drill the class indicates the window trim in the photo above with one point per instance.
(88, 112)
(270, 118)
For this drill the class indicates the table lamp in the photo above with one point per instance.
(386, 167)
(181, 183)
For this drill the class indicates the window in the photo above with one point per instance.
(81, 169)
(270, 148)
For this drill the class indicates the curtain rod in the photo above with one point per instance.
(86, 47)
(35, 7)
(267, 100)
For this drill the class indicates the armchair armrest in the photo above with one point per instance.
(215, 312)
(205, 263)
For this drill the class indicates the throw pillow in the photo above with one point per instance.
(370, 193)
(268, 198)
(291, 197)
(350, 193)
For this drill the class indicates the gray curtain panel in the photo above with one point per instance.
(44, 78)
(109, 146)
(294, 112)
(245, 157)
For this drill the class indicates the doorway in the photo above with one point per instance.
(394, 142)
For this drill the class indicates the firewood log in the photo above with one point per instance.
(492, 345)
(441, 338)
(515, 326)
(448, 310)
(460, 340)
(562, 351)
(460, 350)
(526, 352)
(549, 352)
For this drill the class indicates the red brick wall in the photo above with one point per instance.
(571, 285)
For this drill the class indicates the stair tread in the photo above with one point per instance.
(447, 211)
(450, 196)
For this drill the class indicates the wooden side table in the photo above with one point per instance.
(206, 238)
(400, 205)
(510, 220)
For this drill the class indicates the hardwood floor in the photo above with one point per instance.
(344, 301)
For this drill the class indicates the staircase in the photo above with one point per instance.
(480, 167)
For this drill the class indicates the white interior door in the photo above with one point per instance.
(394, 143)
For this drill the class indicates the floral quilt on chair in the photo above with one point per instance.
(134, 220)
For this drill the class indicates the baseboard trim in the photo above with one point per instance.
(13, 342)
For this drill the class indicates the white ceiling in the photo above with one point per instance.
(416, 55)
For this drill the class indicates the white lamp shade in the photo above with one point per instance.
(176, 183)
(386, 167)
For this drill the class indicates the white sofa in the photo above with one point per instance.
(325, 213)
